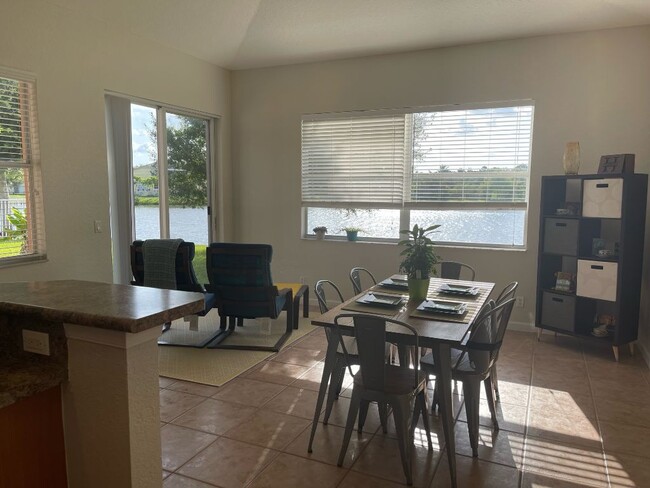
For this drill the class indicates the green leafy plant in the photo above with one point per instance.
(419, 253)
(18, 220)
(352, 229)
(320, 228)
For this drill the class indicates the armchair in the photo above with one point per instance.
(240, 278)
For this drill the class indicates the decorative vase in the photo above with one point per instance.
(320, 235)
(571, 158)
(352, 234)
(418, 288)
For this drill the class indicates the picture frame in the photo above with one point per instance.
(616, 164)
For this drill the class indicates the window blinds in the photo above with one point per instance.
(21, 206)
(418, 159)
(353, 161)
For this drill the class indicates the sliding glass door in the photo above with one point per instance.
(170, 175)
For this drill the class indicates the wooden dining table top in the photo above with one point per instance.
(434, 329)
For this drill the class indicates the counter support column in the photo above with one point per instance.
(111, 408)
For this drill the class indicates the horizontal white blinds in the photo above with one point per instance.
(469, 156)
(427, 159)
(22, 229)
(353, 161)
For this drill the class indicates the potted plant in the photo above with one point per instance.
(352, 232)
(419, 259)
(320, 232)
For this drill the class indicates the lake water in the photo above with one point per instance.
(500, 227)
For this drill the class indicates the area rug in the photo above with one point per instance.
(217, 366)
(180, 333)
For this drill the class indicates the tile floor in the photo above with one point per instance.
(569, 416)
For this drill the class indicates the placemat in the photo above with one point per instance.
(359, 307)
(471, 301)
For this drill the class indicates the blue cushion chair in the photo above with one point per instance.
(240, 278)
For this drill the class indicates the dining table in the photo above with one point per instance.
(439, 329)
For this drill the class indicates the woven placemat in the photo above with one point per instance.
(358, 307)
(473, 303)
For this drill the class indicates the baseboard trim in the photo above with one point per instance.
(644, 353)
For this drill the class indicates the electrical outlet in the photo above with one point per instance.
(98, 227)
(519, 302)
(37, 342)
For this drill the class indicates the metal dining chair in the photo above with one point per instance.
(506, 294)
(401, 388)
(454, 270)
(355, 278)
(474, 364)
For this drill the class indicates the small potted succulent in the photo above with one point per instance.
(352, 232)
(320, 232)
(419, 260)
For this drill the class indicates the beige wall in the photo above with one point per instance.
(75, 60)
(590, 87)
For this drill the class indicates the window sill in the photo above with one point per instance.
(393, 242)
(22, 261)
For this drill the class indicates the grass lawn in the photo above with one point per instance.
(199, 263)
(10, 248)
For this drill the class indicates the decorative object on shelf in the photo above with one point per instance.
(419, 259)
(616, 163)
(564, 281)
(352, 233)
(320, 232)
(597, 245)
(605, 253)
(571, 158)
(603, 324)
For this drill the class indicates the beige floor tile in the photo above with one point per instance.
(327, 445)
(382, 458)
(625, 439)
(176, 481)
(563, 403)
(287, 471)
(560, 346)
(311, 379)
(554, 426)
(300, 356)
(228, 463)
(500, 447)
(312, 341)
(248, 392)
(534, 480)
(164, 382)
(193, 388)
(511, 392)
(633, 389)
(628, 471)
(556, 463)
(475, 473)
(510, 417)
(269, 429)
(215, 416)
(574, 381)
(273, 372)
(180, 444)
(340, 410)
(360, 480)
(623, 412)
(294, 401)
(175, 403)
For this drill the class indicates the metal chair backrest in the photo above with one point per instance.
(319, 290)
(487, 335)
(186, 279)
(355, 277)
(507, 293)
(370, 333)
(453, 270)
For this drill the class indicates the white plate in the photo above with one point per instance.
(380, 300)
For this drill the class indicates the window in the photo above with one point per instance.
(21, 210)
(464, 168)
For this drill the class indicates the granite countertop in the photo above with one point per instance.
(122, 308)
(22, 379)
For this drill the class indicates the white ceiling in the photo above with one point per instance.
(241, 34)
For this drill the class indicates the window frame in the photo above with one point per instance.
(31, 164)
(408, 205)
